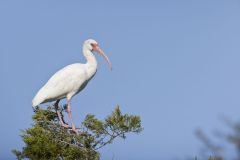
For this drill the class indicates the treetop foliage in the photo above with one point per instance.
(47, 139)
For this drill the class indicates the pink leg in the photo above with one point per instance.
(70, 116)
(60, 116)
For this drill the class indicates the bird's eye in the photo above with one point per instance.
(93, 45)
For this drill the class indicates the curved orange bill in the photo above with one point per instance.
(96, 48)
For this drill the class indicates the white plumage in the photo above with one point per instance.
(64, 83)
(71, 79)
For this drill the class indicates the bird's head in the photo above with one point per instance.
(92, 45)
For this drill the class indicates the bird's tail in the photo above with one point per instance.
(38, 99)
(35, 102)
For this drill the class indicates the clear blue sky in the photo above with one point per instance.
(175, 63)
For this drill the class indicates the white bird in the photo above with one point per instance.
(70, 80)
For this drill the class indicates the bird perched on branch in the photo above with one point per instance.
(70, 80)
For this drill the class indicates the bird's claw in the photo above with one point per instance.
(74, 130)
(65, 126)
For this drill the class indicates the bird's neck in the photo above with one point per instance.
(91, 61)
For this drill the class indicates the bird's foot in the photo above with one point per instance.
(65, 126)
(75, 130)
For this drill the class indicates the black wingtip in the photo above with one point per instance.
(35, 109)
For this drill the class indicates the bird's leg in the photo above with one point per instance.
(60, 116)
(70, 116)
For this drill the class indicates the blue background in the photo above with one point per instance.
(175, 63)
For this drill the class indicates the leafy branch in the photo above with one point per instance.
(47, 139)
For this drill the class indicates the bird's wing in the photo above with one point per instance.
(66, 81)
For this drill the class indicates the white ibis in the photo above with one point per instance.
(70, 80)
